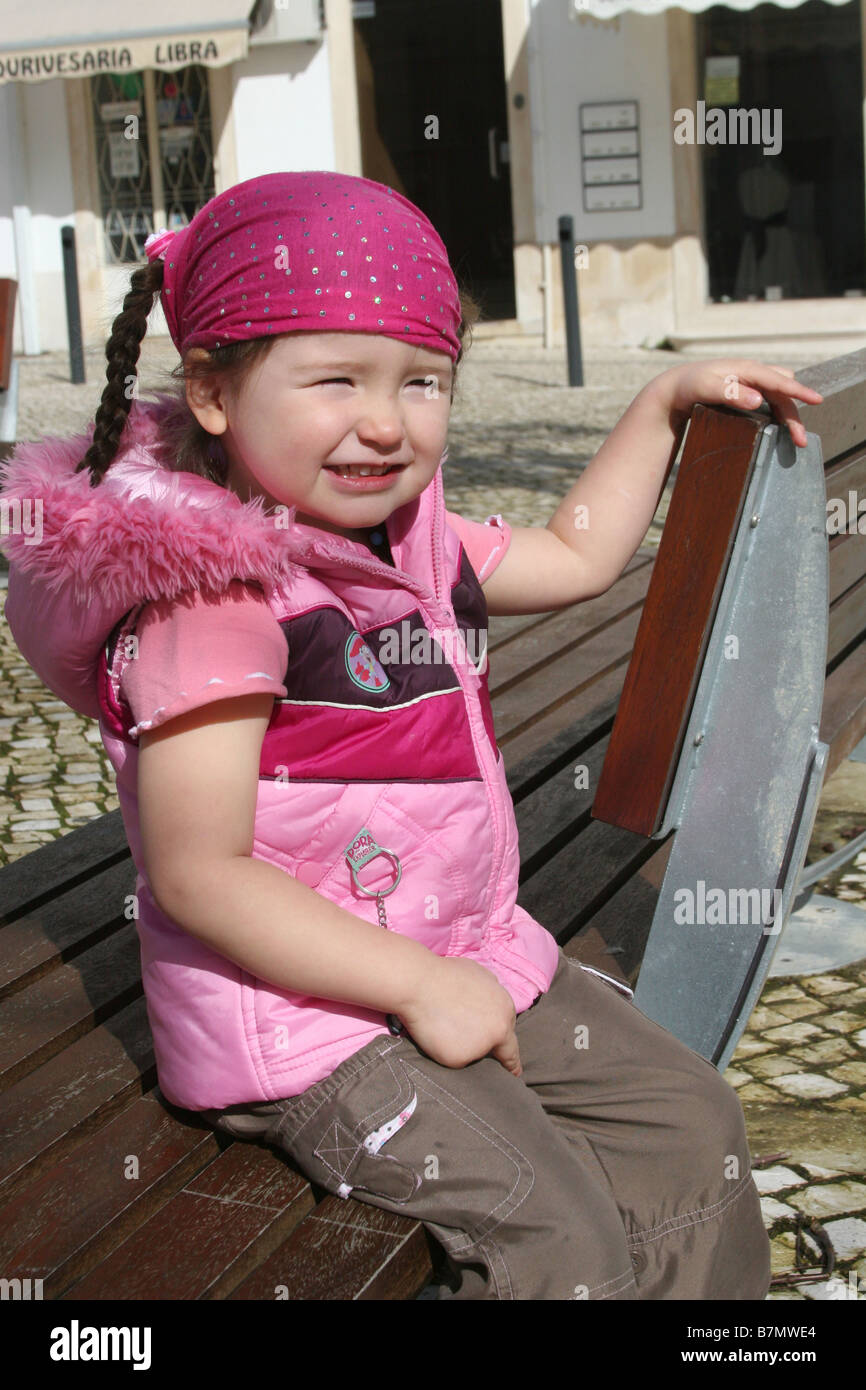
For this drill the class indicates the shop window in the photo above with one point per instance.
(786, 224)
(154, 154)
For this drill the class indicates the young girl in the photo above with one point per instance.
(259, 593)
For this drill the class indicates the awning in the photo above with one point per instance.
(80, 38)
(607, 9)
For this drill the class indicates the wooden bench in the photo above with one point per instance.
(107, 1191)
(8, 368)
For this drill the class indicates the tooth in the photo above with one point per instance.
(365, 472)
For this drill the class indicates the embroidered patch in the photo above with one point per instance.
(363, 667)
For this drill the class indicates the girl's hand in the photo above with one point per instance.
(738, 382)
(461, 1012)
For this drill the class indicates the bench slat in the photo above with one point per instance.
(847, 617)
(527, 704)
(63, 1224)
(40, 1021)
(847, 564)
(61, 928)
(208, 1237)
(843, 716)
(345, 1250)
(47, 1113)
(57, 867)
(840, 419)
(621, 925)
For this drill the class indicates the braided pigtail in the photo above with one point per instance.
(122, 351)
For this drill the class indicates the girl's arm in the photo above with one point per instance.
(197, 790)
(197, 787)
(602, 520)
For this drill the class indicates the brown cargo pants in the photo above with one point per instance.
(616, 1166)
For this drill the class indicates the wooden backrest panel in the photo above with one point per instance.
(696, 544)
(8, 289)
(677, 618)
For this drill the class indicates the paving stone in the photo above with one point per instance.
(829, 1050)
(752, 1047)
(810, 1086)
(53, 824)
(827, 984)
(789, 1240)
(775, 996)
(859, 1038)
(17, 849)
(789, 1295)
(853, 997)
(852, 1072)
(762, 1018)
(775, 1065)
(781, 1258)
(41, 803)
(774, 1210)
(843, 1022)
(776, 1179)
(831, 1199)
(848, 1236)
(855, 1103)
(795, 1009)
(793, 1032)
(737, 1078)
(756, 1091)
(834, 1290)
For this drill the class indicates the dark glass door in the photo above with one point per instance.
(789, 225)
(431, 90)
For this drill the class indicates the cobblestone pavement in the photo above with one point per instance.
(518, 438)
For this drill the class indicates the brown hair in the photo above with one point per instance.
(185, 445)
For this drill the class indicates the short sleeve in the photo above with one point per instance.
(195, 649)
(484, 542)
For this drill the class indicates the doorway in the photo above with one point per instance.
(785, 225)
(432, 103)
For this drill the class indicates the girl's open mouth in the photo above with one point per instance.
(361, 478)
(363, 470)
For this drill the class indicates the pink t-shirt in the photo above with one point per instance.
(194, 650)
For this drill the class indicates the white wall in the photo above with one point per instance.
(282, 109)
(583, 60)
(35, 173)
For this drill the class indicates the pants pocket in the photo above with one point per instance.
(340, 1145)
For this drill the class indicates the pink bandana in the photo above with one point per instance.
(313, 250)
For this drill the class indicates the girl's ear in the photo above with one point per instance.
(206, 395)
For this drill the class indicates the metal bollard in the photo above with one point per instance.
(73, 308)
(569, 291)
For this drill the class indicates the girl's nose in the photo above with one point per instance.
(382, 422)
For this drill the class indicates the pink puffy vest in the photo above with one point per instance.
(401, 749)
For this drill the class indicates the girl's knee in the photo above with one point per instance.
(715, 1125)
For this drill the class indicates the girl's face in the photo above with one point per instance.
(323, 400)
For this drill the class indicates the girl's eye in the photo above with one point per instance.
(329, 379)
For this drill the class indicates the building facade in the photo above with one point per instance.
(711, 159)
